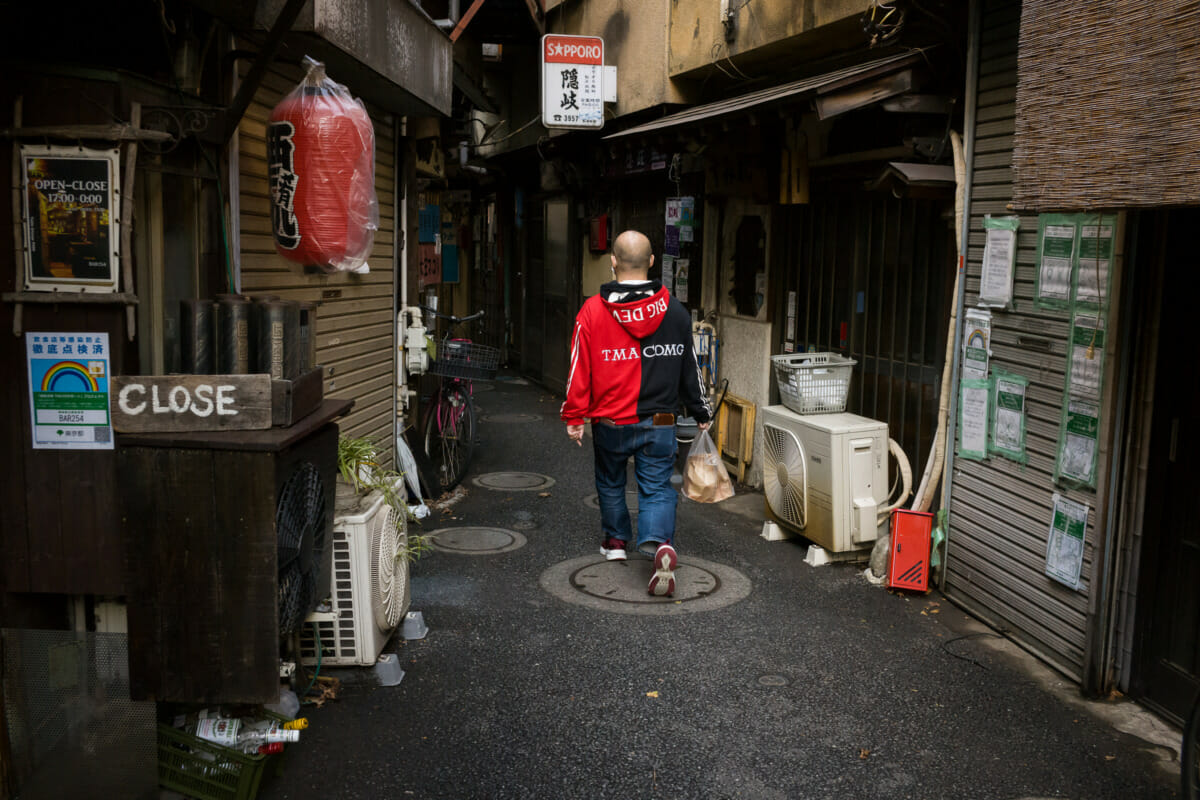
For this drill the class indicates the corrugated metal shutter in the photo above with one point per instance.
(1000, 510)
(355, 329)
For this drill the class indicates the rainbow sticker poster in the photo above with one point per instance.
(68, 390)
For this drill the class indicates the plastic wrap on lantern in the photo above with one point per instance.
(278, 349)
(321, 169)
(233, 335)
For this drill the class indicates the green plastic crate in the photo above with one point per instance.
(206, 770)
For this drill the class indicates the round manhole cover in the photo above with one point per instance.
(513, 481)
(772, 680)
(512, 418)
(620, 586)
(473, 541)
(631, 501)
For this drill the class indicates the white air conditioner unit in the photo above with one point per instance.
(825, 476)
(370, 592)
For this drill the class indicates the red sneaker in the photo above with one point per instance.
(613, 549)
(662, 584)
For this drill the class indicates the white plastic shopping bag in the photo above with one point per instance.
(705, 478)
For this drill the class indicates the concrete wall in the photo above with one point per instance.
(746, 362)
(697, 35)
(635, 41)
(746, 342)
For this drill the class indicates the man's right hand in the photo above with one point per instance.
(576, 434)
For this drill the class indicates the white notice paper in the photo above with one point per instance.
(1095, 255)
(681, 278)
(1078, 458)
(1064, 550)
(1056, 251)
(973, 419)
(999, 261)
(1087, 357)
(668, 272)
(977, 338)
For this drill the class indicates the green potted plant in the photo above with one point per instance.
(360, 473)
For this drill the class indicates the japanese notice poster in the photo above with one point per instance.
(976, 343)
(999, 261)
(69, 220)
(1055, 259)
(68, 390)
(687, 219)
(1095, 260)
(1078, 443)
(1008, 416)
(973, 404)
(1064, 550)
(681, 278)
(668, 272)
(572, 81)
(1085, 372)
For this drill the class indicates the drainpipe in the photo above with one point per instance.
(1099, 638)
(452, 14)
(974, 34)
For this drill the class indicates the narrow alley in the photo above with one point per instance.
(779, 680)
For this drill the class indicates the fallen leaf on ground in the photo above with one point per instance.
(543, 494)
(864, 753)
(652, 694)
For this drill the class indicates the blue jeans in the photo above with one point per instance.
(653, 451)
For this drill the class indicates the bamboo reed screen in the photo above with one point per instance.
(1108, 105)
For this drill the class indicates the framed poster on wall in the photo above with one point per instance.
(68, 218)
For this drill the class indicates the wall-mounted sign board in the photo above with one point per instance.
(162, 403)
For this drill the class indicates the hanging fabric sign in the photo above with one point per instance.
(1064, 550)
(977, 340)
(1008, 416)
(1055, 259)
(999, 261)
(974, 401)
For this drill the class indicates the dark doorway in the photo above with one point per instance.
(1167, 658)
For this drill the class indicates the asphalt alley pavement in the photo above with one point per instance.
(547, 674)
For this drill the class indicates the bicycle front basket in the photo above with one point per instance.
(460, 358)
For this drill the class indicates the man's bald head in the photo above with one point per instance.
(631, 256)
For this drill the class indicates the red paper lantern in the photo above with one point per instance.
(321, 165)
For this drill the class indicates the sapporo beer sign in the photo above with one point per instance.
(572, 81)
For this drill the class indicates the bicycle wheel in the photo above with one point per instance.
(1190, 762)
(449, 436)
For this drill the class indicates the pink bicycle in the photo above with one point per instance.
(449, 427)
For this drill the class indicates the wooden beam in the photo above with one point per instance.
(537, 11)
(117, 132)
(466, 18)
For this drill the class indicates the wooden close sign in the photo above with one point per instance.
(163, 403)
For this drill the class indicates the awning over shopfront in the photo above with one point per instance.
(391, 53)
(819, 85)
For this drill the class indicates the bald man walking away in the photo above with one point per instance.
(632, 365)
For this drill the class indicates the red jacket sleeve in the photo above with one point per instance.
(579, 378)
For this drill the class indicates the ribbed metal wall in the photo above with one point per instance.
(355, 330)
(1000, 510)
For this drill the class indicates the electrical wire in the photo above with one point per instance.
(968, 659)
(483, 142)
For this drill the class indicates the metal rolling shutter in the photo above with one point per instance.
(1000, 511)
(355, 330)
